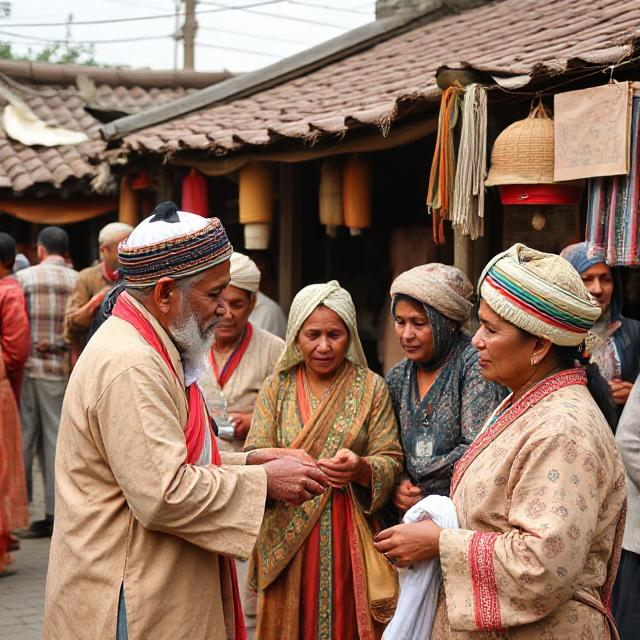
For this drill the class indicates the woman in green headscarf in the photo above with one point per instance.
(315, 568)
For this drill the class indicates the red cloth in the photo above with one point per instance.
(234, 361)
(195, 196)
(14, 332)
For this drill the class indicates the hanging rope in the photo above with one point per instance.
(443, 166)
(467, 211)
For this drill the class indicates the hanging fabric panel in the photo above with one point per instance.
(443, 166)
(195, 194)
(613, 212)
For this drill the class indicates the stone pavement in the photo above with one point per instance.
(22, 594)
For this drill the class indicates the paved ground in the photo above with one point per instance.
(22, 594)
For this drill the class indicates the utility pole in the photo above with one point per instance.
(189, 34)
(177, 34)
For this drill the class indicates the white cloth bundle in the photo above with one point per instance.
(420, 584)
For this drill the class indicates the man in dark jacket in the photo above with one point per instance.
(616, 348)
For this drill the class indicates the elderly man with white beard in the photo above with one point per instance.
(149, 514)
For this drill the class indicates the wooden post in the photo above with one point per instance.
(463, 253)
(290, 235)
(189, 34)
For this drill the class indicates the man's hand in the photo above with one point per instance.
(346, 467)
(407, 494)
(293, 481)
(406, 544)
(262, 456)
(241, 424)
(620, 390)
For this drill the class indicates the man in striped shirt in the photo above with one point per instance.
(47, 288)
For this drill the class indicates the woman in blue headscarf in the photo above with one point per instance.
(615, 340)
(439, 396)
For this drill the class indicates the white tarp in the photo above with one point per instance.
(24, 126)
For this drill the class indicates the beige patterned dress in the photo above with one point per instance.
(539, 497)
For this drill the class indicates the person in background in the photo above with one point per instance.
(93, 283)
(541, 491)
(309, 567)
(615, 346)
(439, 395)
(47, 288)
(149, 514)
(627, 586)
(22, 262)
(14, 350)
(14, 322)
(241, 359)
(268, 315)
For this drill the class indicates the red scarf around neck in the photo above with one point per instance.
(234, 360)
(195, 435)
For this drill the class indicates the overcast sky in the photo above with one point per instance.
(233, 39)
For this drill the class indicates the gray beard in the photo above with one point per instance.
(191, 343)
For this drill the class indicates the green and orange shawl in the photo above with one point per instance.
(321, 539)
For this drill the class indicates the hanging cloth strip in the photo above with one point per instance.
(613, 213)
(443, 166)
(234, 360)
(201, 445)
(467, 212)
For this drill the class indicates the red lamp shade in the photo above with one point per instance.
(195, 197)
(540, 193)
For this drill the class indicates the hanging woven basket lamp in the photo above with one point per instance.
(356, 194)
(522, 163)
(330, 196)
(256, 204)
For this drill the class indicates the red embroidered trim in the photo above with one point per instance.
(545, 387)
(483, 578)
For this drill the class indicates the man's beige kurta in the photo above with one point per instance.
(130, 512)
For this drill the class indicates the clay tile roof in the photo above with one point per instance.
(51, 92)
(516, 41)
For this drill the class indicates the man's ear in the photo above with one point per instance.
(164, 292)
(252, 301)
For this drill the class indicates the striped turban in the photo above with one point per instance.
(539, 292)
(307, 300)
(174, 244)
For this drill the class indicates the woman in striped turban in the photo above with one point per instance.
(309, 562)
(540, 493)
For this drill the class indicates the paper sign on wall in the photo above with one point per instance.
(592, 130)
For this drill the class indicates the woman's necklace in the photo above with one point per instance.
(326, 391)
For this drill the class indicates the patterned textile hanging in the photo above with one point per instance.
(613, 213)
(467, 212)
(443, 166)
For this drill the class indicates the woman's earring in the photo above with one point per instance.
(533, 361)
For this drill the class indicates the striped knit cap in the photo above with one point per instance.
(539, 292)
(174, 244)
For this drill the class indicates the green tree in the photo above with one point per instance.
(57, 53)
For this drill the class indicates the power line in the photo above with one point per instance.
(327, 7)
(250, 51)
(280, 16)
(220, 8)
(252, 35)
(72, 42)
